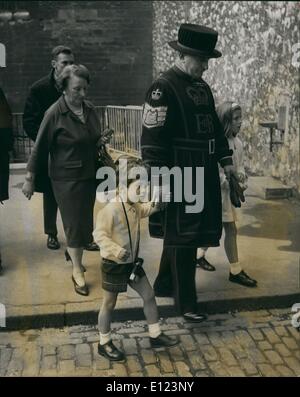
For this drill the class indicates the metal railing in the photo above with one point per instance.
(126, 121)
(22, 144)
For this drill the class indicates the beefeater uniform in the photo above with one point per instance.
(181, 128)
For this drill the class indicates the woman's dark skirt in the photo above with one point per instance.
(76, 201)
(115, 276)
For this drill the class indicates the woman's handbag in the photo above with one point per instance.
(104, 159)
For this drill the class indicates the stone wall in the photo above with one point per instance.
(112, 38)
(256, 70)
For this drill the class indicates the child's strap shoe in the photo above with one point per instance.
(163, 341)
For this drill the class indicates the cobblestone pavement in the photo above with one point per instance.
(258, 343)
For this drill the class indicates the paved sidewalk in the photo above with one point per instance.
(261, 343)
(37, 290)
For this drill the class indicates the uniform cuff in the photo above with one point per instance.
(226, 161)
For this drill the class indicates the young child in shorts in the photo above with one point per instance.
(117, 232)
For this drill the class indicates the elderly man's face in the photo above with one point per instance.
(61, 62)
(195, 66)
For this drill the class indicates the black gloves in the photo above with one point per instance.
(236, 192)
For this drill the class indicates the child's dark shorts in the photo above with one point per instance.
(115, 276)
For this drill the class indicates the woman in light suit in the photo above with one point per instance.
(68, 137)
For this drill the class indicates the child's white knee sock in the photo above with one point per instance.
(154, 330)
(235, 268)
(105, 338)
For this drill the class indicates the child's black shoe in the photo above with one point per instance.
(163, 341)
(242, 278)
(111, 352)
(205, 265)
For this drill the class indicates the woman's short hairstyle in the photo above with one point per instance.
(73, 70)
(225, 112)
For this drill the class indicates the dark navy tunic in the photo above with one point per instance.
(181, 128)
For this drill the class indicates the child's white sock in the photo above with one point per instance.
(201, 252)
(105, 338)
(235, 268)
(154, 330)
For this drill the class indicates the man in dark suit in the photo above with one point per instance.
(42, 95)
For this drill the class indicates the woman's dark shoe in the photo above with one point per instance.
(52, 242)
(68, 258)
(194, 317)
(242, 278)
(110, 351)
(80, 290)
(92, 247)
(163, 340)
(204, 264)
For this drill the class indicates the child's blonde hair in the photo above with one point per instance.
(225, 112)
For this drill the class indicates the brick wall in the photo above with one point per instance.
(112, 38)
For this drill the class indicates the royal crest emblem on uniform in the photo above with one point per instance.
(198, 95)
(154, 116)
(205, 124)
(156, 94)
